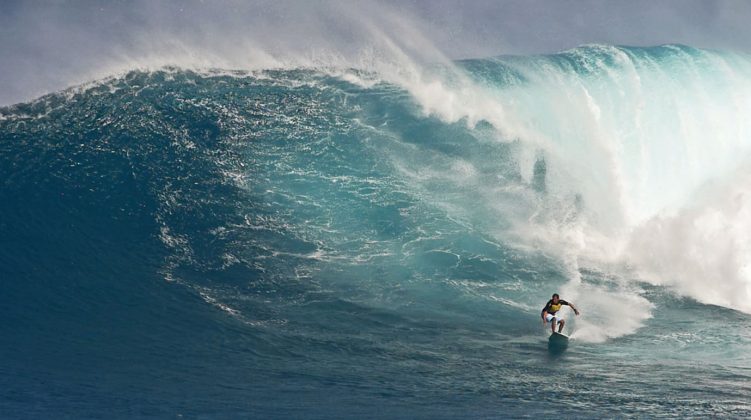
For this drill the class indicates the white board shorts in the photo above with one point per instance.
(549, 317)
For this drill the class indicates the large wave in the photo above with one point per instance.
(450, 189)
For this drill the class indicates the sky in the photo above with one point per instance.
(47, 46)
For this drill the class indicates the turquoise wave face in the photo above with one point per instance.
(320, 243)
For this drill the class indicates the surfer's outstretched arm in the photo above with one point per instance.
(570, 305)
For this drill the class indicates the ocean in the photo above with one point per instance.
(378, 242)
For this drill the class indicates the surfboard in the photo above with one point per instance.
(558, 337)
(557, 342)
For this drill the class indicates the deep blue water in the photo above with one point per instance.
(307, 243)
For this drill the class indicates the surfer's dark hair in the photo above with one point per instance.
(555, 295)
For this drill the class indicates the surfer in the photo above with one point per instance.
(550, 310)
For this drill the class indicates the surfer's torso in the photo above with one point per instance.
(552, 308)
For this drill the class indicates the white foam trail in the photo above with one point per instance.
(604, 313)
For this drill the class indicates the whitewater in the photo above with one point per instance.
(378, 240)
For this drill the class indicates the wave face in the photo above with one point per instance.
(355, 242)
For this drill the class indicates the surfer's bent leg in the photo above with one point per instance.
(561, 323)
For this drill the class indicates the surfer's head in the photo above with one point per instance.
(555, 297)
